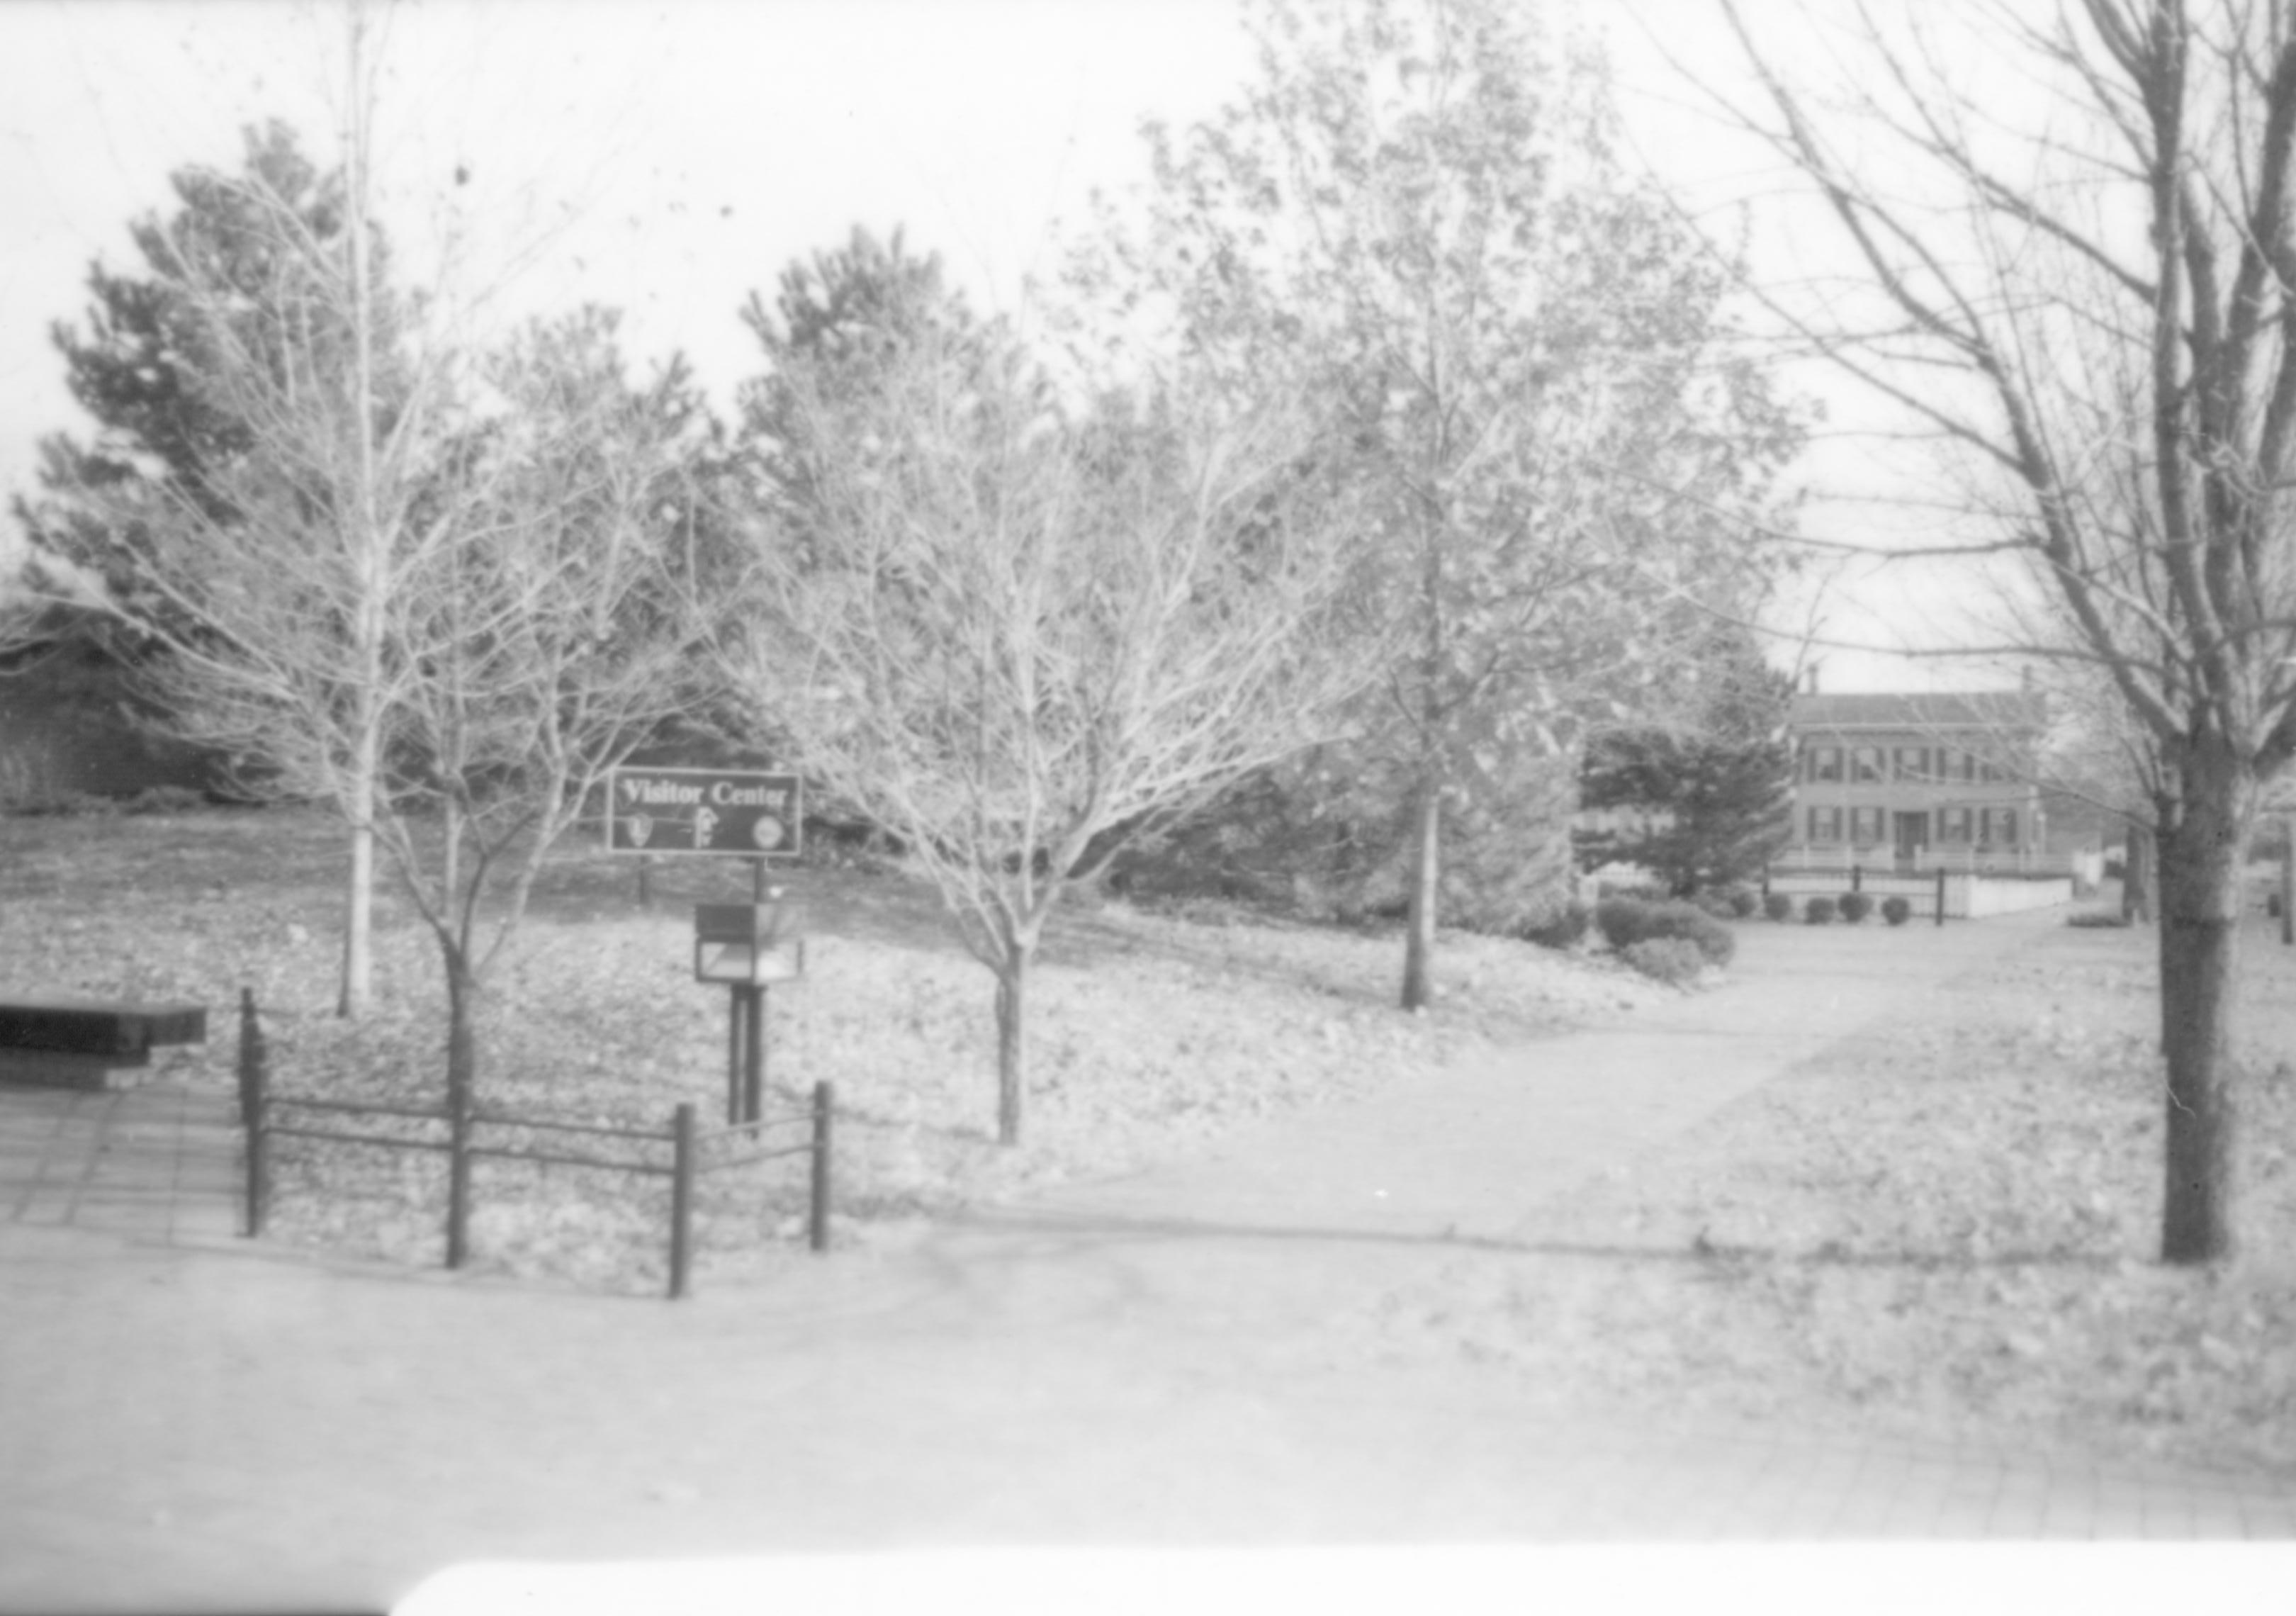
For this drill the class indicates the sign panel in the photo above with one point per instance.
(726, 812)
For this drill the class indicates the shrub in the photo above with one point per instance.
(1743, 902)
(1856, 907)
(1625, 922)
(1819, 910)
(1565, 929)
(1897, 909)
(1777, 905)
(1666, 959)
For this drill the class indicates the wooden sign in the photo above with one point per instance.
(726, 812)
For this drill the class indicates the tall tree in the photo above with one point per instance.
(1002, 631)
(2089, 305)
(1415, 211)
(244, 508)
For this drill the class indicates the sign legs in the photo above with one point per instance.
(745, 1053)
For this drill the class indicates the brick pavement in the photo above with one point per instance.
(190, 1419)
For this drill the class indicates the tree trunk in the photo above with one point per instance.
(2199, 848)
(366, 770)
(462, 1039)
(1012, 1042)
(358, 912)
(1426, 885)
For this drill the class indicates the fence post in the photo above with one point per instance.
(251, 1062)
(458, 1180)
(817, 1225)
(681, 1198)
(1941, 895)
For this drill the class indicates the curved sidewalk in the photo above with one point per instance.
(192, 1420)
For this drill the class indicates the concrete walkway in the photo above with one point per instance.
(190, 1420)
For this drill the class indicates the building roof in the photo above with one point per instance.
(1994, 709)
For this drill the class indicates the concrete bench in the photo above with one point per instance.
(79, 1043)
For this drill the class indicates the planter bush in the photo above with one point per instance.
(1676, 960)
(1856, 907)
(1777, 905)
(1819, 910)
(1744, 902)
(1897, 910)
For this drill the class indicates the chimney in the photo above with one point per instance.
(1810, 675)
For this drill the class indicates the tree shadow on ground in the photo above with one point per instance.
(1700, 1252)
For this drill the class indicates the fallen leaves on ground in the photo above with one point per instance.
(1946, 1227)
(1150, 1035)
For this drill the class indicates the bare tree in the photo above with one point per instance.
(538, 644)
(259, 558)
(2084, 292)
(1003, 633)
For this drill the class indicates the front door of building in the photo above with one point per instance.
(1913, 836)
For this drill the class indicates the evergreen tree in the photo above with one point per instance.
(1715, 792)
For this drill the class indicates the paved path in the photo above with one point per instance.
(187, 1419)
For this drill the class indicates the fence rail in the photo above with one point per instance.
(259, 1103)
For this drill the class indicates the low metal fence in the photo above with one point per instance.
(458, 1132)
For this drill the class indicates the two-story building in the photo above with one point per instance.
(1918, 782)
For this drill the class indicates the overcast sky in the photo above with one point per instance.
(668, 157)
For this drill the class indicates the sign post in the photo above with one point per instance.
(721, 813)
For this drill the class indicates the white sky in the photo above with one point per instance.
(669, 158)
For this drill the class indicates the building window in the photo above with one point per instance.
(1865, 826)
(1826, 824)
(1865, 764)
(1913, 763)
(1953, 824)
(2001, 826)
(1825, 763)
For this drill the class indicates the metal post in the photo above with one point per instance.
(251, 1034)
(736, 1058)
(817, 1224)
(757, 881)
(645, 880)
(1857, 877)
(681, 1199)
(753, 1058)
(251, 1084)
(1941, 895)
(458, 1180)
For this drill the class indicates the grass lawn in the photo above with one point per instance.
(1945, 1226)
(1151, 1034)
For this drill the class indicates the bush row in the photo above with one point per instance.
(1820, 909)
